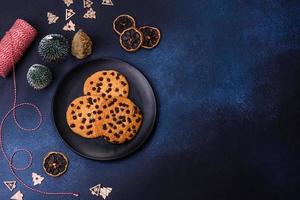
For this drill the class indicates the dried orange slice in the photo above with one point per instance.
(55, 164)
(131, 39)
(123, 22)
(151, 36)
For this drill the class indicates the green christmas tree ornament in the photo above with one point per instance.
(39, 76)
(54, 48)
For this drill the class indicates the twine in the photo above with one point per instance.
(12, 57)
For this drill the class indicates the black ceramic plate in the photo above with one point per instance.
(71, 87)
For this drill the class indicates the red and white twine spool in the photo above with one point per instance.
(12, 47)
(22, 34)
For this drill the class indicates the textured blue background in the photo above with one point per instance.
(226, 76)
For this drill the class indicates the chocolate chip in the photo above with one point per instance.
(81, 102)
(80, 114)
(117, 89)
(89, 114)
(113, 73)
(96, 106)
(108, 79)
(95, 100)
(72, 125)
(88, 93)
(101, 79)
(91, 82)
(104, 127)
(125, 92)
(99, 112)
(115, 119)
(72, 105)
(93, 88)
(81, 127)
(138, 120)
(89, 126)
(78, 107)
(99, 118)
(109, 96)
(127, 111)
(121, 132)
(110, 124)
(83, 120)
(130, 135)
(117, 135)
(90, 132)
(109, 131)
(129, 119)
(90, 100)
(73, 112)
(105, 106)
(74, 117)
(94, 112)
(123, 83)
(104, 73)
(109, 85)
(103, 95)
(107, 117)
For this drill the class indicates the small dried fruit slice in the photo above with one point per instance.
(123, 22)
(151, 36)
(55, 164)
(131, 39)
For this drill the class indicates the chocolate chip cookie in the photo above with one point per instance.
(120, 120)
(106, 84)
(82, 114)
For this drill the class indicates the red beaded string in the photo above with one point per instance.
(16, 106)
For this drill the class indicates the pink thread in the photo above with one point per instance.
(23, 34)
(10, 45)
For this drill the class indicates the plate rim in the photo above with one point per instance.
(114, 157)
